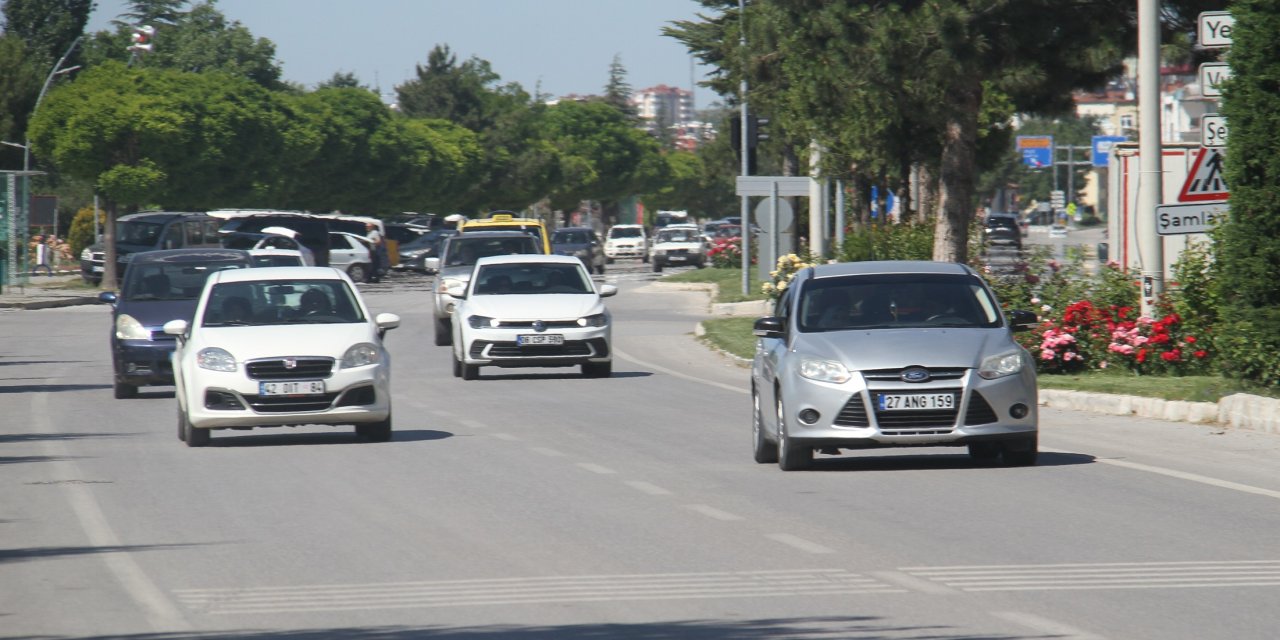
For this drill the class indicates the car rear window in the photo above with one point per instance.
(463, 251)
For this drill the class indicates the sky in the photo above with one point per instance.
(558, 47)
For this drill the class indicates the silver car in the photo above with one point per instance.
(457, 259)
(891, 354)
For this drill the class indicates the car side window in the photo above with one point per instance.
(195, 232)
(211, 231)
(173, 236)
(782, 308)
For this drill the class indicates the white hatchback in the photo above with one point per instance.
(282, 346)
(531, 311)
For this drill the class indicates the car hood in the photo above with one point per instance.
(551, 306)
(898, 348)
(251, 342)
(152, 314)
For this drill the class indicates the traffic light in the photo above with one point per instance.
(735, 133)
(757, 130)
(142, 36)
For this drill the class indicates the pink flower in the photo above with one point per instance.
(1047, 354)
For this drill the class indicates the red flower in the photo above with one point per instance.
(1201, 353)
(1142, 356)
(1171, 356)
(1189, 339)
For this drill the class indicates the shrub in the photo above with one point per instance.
(788, 266)
(907, 241)
(80, 235)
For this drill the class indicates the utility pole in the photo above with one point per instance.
(743, 123)
(1150, 185)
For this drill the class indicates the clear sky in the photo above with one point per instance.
(557, 46)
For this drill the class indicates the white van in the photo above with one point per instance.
(626, 241)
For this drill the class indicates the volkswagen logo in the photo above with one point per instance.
(915, 374)
(539, 325)
(291, 363)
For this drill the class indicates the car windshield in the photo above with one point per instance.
(677, 235)
(571, 237)
(1002, 222)
(625, 232)
(145, 233)
(281, 302)
(463, 252)
(528, 278)
(895, 301)
(169, 281)
(729, 231)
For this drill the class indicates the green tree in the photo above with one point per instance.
(48, 27)
(606, 157)
(618, 92)
(342, 80)
(1248, 245)
(467, 94)
(20, 82)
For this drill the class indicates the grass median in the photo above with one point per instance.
(733, 335)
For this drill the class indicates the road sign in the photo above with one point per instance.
(1213, 131)
(1214, 29)
(1101, 154)
(1037, 151)
(1212, 75)
(1058, 199)
(1205, 182)
(761, 185)
(1179, 219)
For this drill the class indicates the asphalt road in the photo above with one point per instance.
(538, 504)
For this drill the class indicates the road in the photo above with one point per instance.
(541, 505)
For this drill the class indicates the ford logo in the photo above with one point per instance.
(915, 374)
(539, 325)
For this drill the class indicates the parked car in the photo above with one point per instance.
(351, 253)
(414, 254)
(283, 346)
(582, 243)
(277, 258)
(240, 225)
(1002, 230)
(457, 259)
(531, 311)
(149, 231)
(891, 354)
(677, 245)
(626, 241)
(159, 286)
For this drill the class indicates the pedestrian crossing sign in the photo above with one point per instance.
(1205, 182)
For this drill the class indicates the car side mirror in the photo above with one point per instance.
(1020, 320)
(457, 290)
(432, 265)
(385, 323)
(175, 327)
(769, 327)
(108, 297)
(607, 290)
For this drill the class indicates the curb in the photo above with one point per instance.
(1239, 411)
(50, 303)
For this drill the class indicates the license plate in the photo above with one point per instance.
(917, 401)
(299, 388)
(97, 268)
(539, 338)
(676, 258)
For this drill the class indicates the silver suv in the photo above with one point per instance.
(891, 354)
(457, 259)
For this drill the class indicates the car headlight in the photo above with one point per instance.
(446, 283)
(86, 254)
(128, 328)
(999, 366)
(360, 355)
(661, 252)
(824, 371)
(482, 322)
(215, 359)
(594, 320)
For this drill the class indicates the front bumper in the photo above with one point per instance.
(849, 415)
(143, 362)
(625, 251)
(498, 347)
(218, 399)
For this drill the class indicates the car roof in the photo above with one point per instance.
(492, 234)
(272, 251)
(877, 267)
(623, 226)
(193, 254)
(528, 258)
(160, 216)
(279, 273)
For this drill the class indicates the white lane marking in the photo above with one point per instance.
(595, 468)
(799, 543)
(474, 424)
(1181, 475)
(913, 583)
(160, 612)
(712, 512)
(685, 376)
(509, 591)
(1119, 575)
(1046, 626)
(546, 451)
(645, 487)
(506, 436)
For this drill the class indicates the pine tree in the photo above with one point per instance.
(618, 91)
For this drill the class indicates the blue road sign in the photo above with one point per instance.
(1037, 151)
(1102, 149)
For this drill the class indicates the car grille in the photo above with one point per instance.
(309, 368)
(853, 414)
(895, 375)
(286, 404)
(980, 411)
(550, 324)
(509, 350)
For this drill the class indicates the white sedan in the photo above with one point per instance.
(531, 311)
(282, 346)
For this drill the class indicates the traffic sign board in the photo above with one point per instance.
(1101, 155)
(1179, 219)
(1037, 151)
(1205, 182)
(1212, 75)
(1214, 29)
(1213, 131)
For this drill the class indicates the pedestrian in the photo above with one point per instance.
(42, 256)
(377, 251)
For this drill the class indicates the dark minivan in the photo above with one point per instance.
(150, 231)
(158, 287)
(242, 231)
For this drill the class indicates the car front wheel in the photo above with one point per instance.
(657, 267)
(470, 371)
(1022, 452)
(765, 451)
(791, 457)
(376, 431)
(444, 333)
(123, 391)
(195, 437)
